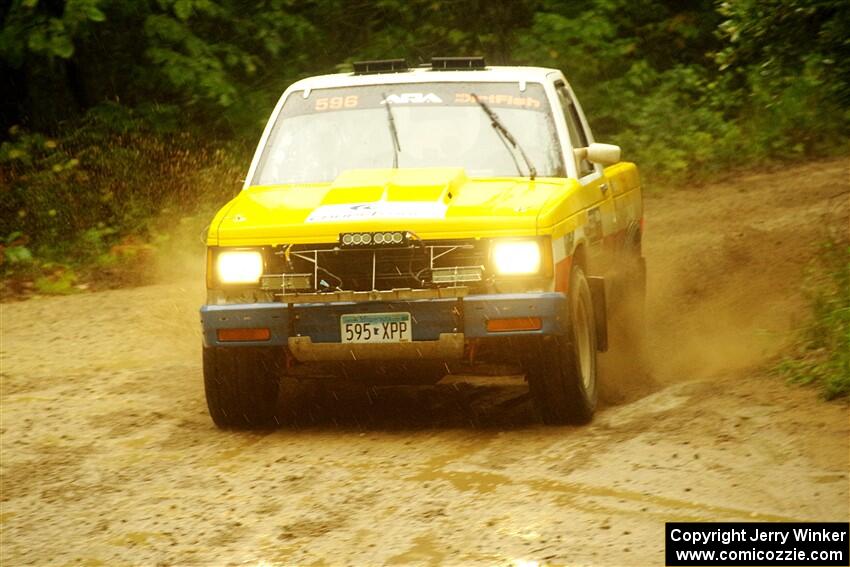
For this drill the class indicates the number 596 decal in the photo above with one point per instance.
(336, 102)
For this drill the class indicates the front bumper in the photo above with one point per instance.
(441, 327)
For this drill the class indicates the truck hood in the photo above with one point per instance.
(431, 202)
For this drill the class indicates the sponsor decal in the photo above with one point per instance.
(412, 98)
(379, 210)
(498, 100)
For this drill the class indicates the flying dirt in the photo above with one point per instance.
(109, 456)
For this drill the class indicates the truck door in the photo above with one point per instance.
(601, 217)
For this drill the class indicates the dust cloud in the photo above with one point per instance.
(725, 265)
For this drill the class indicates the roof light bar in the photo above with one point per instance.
(380, 66)
(457, 63)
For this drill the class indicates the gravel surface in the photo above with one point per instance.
(109, 456)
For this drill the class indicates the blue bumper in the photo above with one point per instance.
(430, 317)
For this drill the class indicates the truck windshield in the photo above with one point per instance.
(317, 137)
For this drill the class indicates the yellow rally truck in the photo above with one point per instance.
(397, 221)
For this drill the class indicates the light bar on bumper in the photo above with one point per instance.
(372, 239)
(287, 282)
(457, 274)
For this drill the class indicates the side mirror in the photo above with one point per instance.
(605, 154)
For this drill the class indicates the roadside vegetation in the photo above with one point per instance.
(822, 353)
(121, 120)
(91, 207)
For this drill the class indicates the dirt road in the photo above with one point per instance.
(109, 457)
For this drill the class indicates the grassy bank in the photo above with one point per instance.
(91, 209)
(821, 354)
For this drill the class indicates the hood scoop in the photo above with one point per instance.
(431, 184)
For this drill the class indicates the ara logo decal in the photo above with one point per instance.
(412, 98)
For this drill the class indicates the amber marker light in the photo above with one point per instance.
(515, 324)
(225, 335)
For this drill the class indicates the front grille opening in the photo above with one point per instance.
(381, 269)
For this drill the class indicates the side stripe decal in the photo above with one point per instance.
(562, 274)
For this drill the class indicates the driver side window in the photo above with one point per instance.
(576, 130)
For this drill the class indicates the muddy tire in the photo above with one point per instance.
(561, 370)
(241, 385)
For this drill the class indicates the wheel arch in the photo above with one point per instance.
(598, 292)
(580, 255)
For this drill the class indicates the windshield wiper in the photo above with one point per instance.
(506, 137)
(393, 131)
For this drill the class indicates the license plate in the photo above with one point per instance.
(376, 328)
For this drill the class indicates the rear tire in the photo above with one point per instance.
(242, 385)
(561, 370)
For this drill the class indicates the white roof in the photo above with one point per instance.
(426, 75)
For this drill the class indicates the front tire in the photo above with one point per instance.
(562, 369)
(241, 385)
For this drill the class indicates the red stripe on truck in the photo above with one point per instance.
(562, 274)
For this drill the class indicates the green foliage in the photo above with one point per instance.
(823, 355)
(224, 62)
(61, 281)
(39, 28)
(92, 199)
(117, 111)
(113, 171)
(14, 251)
(205, 55)
(647, 75)
(784, 37)
(184, 42)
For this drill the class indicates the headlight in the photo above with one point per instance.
(518, 257)
(239, 266)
